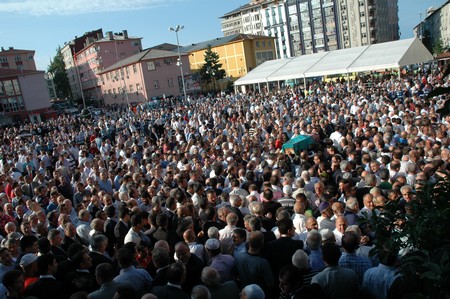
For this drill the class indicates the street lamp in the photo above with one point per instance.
(212, 73)
(179, 63)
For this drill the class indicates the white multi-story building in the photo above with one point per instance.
(311, 26)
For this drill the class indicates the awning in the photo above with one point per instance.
(262, 72)
(360, 59)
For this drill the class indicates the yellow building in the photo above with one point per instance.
(238, 54)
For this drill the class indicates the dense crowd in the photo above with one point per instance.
(198, 199)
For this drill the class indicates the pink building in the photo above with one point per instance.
(99, 54)
(151, 73)
(23, 95)
(17, 59)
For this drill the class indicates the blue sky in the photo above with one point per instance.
(42, 25)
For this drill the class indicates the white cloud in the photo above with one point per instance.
(76, 7)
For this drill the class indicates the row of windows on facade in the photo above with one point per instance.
(96, 49)
(263, 43)
(4, 59)
(12, 104)
(151, 66)
(123, 89)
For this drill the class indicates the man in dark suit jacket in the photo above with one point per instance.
(47, 287)
(194, 266)
(176, 274)
(161, 261)
(108, 228)
(104, 274)
(70, 236)
(55, 238)
(122, 227)
(97, 253)
(280, 252)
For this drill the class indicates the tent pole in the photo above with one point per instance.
(304, 86)
(278, 85)
(254, 87)
(259, 87)
(268, 88)
(399, 73)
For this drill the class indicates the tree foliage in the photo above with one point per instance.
(212, 69)
(438, 47)
(60, 79)
(422, 233)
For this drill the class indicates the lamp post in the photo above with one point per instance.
(179, 63)
(212, 73)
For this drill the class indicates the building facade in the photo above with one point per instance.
(68, 53)
(435, 27)
(23, 94)
(98, 53)
(17, 59)
(238, 54)
(143, 76)
(23, 89)
(311, 26)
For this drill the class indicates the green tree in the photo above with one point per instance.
(58, 71)
(212, 70)
(438, 47)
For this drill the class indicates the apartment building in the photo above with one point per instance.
(138, 78)
(98, 53)
(310, 26)
(238, 53)
(435, 27)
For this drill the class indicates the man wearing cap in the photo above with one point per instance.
(324, 220)
(29, 267)
(223, 263)
(252, 291)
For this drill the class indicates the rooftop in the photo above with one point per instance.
(11, 50)
(220, 41)
(148, 54)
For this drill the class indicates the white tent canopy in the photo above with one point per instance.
(297, 67)
(260, 73)
(367, 58)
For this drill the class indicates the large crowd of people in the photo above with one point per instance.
(197, 198)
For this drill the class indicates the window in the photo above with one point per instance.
(16, 86)
(9, 89)
(131, 88)
(156, 84)
(107, 76)
(3, 59)
(134, 69)
(138, 86)
(20, 103)
(150, 66)
(257, 43)
(18, 58)
(170, 82)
